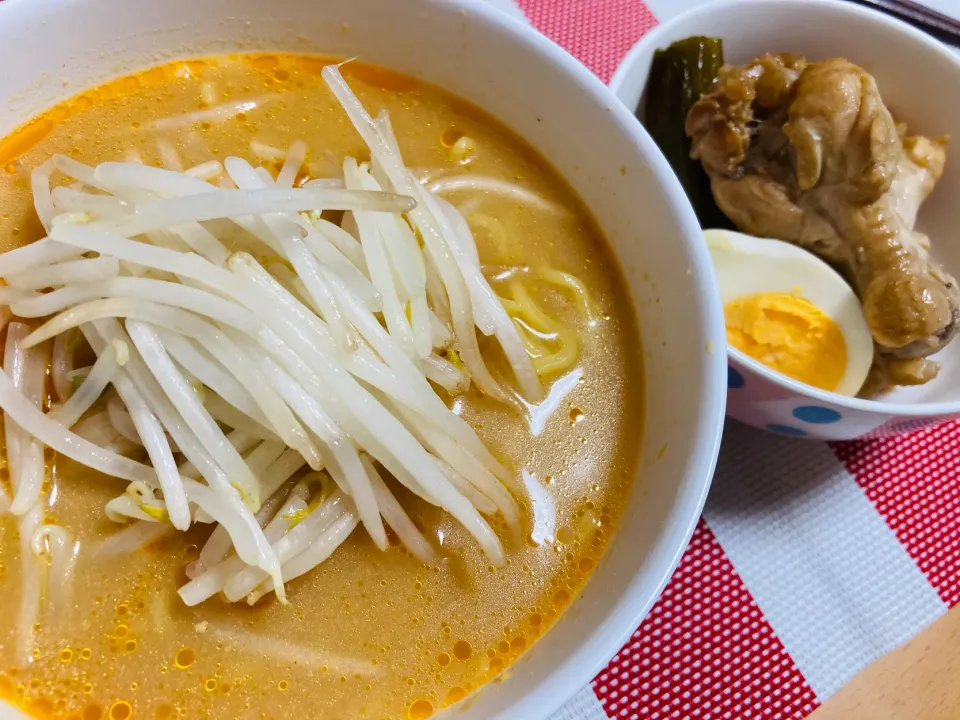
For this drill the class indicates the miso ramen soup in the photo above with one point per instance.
(322, 396)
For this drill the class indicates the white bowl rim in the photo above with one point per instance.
(572, 673)
(843, 7)
(913, 409)
(825, 397)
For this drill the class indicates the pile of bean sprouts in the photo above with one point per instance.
(240, 337)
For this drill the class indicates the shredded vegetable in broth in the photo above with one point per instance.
(320, 395)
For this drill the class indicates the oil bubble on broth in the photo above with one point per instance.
(369, 633)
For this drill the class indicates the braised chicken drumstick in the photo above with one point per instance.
(808, 153)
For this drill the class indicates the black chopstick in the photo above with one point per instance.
(941, 26)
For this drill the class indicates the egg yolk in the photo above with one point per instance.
(789, 334)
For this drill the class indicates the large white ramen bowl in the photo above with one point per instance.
(55, 48)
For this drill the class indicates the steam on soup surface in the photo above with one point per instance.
(94, 625)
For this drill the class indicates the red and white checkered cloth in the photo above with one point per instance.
(811, 561)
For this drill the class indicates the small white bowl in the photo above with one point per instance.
(918, 78)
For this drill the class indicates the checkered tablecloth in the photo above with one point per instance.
(811, 560)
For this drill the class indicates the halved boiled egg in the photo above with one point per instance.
(789, 310)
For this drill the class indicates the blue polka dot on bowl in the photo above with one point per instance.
(734, 378)
(786, 430)
(816, 415)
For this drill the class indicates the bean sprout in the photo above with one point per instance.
(266, 364)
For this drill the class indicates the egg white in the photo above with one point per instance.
(746, 265)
